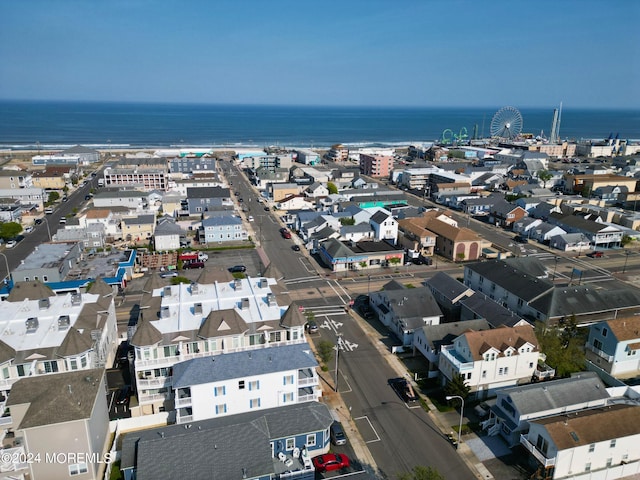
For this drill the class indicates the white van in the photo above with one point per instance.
(48, 210)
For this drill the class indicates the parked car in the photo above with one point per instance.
(193, 265)
(404, 389)
(286, 234)
(28, 229)
(312, 326)
(296, 248)
(238, 269)
(595, 254)
(266, 209)
(337, 434)
(11, 244)
(124, 395)
(521, 239)
(330, 462)
(38, 221)
(168, 274)
(250, 218)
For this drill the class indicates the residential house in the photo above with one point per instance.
(428, 340)
(384, 226)
(138, 229)
(60, 421)
(47, 333)
(211, 317)
(479, 306)
(172, 204)
(586, 184)
(515, 407)
(223, 227)
(16, 179)
(570, 242)
(244, 381)
(166, 235)
(10, 210)
(614, 345)
(103, 217)
(203, 199)
(279, 191)
(29, 198)
(453, 242)
(257, 445)
(448, 292)
(54, 177)
(134, 200)
(491, 359)
(295, 202)
(90, 237)
(413, 235)
(600, 441)
(505, 214)
(316, 190)
(356, 233)
(84, 154)
(599, 234)
(263, 177)
(404, 310)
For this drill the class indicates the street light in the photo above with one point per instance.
(626, 259)
(451, 397)
(6, 262)
(338, 341)
(48, 229)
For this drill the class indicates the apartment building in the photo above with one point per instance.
(376, 165)
(147, 174)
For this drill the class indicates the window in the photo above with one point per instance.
(241, 385)
(83, 361)
(530, 364)
(78, 468)
(506, 370)
(311, 440)
(222, 408)
(484, 374)
(469, 376)
(592, 447)
(609, 462)
(287, 397)
(219, 391)
(20, 369)
(50, 367)
(605, 331)
(597, 344)
(73, 364)
(254, 403)
(613, 443)
(500, 370)
(587, 467)
(291, 444)
(254, 385)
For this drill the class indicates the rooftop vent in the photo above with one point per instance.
(264, 283)
(194, 289)
(76, 299)
(245, 304)
(237, 284)
(166, 291)
(44, 303)
(32, 324)
(197, 309)
(64, 322)
(271, 299)
(165, 312)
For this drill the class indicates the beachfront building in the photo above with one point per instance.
(44, 333)
(144, 173)
(376, 165)
(212, 317)
(240, 382)
(338, 153)
(59, 421)
(186, 165)
(491, 359)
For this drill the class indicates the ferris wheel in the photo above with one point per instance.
(506, 123)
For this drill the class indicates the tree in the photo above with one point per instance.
(563, 346)
(332, 188)
(325, 351)
(420, 472)
(457, 386)
(544, 176)
(347, 221)
(53, 196)
(9, 230)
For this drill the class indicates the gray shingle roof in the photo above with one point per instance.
(242, 364)
(220, 448)
(447, 286)
(445, 333)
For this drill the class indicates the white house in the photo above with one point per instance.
(295, 202)
(599, 443)
(385, 226)
(491, 359)
(166, 235)
(241, 382)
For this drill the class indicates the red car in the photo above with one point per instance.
(595, 254)
(330, 462)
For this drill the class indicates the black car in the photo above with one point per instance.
(38, 221)
(404, 389)
(238, 269)
(124, 395)
(521, 239)
(296, 248)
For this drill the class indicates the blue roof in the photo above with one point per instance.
(251, 363)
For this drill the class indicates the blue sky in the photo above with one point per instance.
(585, 53)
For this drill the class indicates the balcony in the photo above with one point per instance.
(308, 381)
(449, 352)
(152, 398)
(6, 420)
(600, 353)
(544, 371)
(546, 462)
(7, 457)
(184, 419)
(153, 382)
(182, 402)
(307, 398)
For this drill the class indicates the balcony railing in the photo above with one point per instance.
(308, 381)
(600, 353)
(452, 356)
(183, 402)
(6, 420)
(156, 397)
(184, 419)
(12, 459)
(307, 398)
(546, 462)
(544, 371)
(153, 382)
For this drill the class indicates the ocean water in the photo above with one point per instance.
(49, 124)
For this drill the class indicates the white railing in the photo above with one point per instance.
(6, 420)
(12, 459)
(184, 419)
(154, 382)
(600, 353)
(308, 381)
(450, 353)
(182, 402)
(7, 383)
(307, 398)
(156, 397)
(546, 462)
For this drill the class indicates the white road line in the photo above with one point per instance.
(373, 429)
(339, 296)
